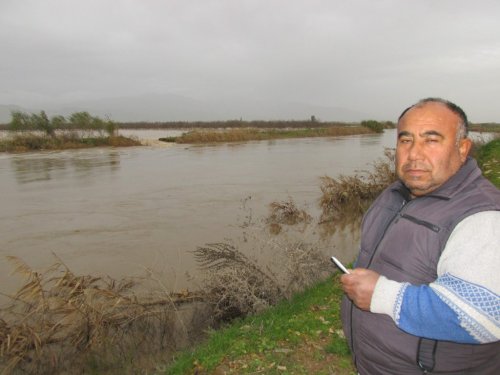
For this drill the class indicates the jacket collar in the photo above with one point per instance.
(467, 172)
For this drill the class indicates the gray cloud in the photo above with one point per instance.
(367, 57)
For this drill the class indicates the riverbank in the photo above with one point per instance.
(299, 336)
(488, 157)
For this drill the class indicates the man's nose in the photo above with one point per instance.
(416, 151)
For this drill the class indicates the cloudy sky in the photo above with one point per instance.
(370, 57)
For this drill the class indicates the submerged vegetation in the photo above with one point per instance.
(286, 213)
(33, 132)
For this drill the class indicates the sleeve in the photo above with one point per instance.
(463, 303)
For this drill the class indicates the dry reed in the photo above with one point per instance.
(57, 318)
(236, 285)
(285, 213)
(345, 199)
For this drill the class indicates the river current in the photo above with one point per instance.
(120, 211)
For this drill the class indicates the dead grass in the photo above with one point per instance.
(345, 199)
(61, 321)
(237, 286)
(285, 213)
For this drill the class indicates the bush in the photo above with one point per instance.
(346, 198)
(376, 126)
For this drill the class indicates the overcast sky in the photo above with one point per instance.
(376, 57)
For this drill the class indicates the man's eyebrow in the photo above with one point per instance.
(430, 133)
(404, 133)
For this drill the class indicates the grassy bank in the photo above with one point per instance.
(34, 142)
(254, 134)
(299, 336)
(488, 157)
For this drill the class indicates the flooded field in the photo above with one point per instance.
(119, 211)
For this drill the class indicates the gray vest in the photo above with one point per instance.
(402, 239)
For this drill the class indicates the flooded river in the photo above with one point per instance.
(119, 211)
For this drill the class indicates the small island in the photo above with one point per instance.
(36, 132)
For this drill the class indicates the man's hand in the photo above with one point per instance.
(359, 286)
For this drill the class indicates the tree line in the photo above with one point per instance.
(78, 121)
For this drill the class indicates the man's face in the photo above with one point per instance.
(427, 151)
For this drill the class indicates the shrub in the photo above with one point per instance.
(346, 198)
(376, 126)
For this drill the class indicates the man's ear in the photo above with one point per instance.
(464, 148)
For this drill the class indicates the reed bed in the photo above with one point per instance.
(36, 142)
(254, 134)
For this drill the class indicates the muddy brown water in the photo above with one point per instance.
(120, 211)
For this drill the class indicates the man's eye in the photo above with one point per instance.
(432, 140)
(404, 140)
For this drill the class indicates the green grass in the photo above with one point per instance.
(286, 339)
(488, 157)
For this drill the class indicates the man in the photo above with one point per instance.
(424, 296)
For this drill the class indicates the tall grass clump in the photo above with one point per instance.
(345, 199)
(488, 157)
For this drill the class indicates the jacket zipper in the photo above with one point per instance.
(403, 207)
(398, 214)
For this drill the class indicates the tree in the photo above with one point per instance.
(20, 121)
(41, 122)
(376, 126)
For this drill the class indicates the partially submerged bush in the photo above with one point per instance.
(237, 286)
(346, 198)
(286, 213)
